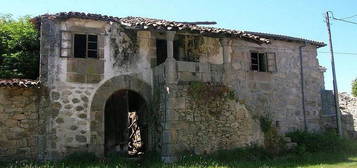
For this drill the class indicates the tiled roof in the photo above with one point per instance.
(27, 83)
(287, 38)
(158, 24)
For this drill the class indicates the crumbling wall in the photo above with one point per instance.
(204, 127)
(348, 109)
(19, 126)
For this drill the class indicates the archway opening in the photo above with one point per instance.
(125, 129)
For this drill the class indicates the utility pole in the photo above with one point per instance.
(335, 90)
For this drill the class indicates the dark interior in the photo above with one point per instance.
(117, 123)
(80, 44)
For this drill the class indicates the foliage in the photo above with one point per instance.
(249, 157)
(265, 123)
(205, 92)
(354, 87)
(19, 48)
(273, 142)
(318, 142)
(80, 157)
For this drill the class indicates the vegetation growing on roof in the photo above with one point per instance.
(19, 48)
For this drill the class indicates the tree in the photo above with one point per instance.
(19, 48)
(354, 87)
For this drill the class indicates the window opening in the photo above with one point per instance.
(259, 62)
(85, 46)
(161, 51)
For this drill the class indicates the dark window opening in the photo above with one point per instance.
(85, 46)
(161, 51)
(259, 62)
(80, 45)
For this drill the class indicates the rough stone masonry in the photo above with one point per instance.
(152, 67)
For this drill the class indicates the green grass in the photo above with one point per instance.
(340, 156)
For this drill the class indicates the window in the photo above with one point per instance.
(259, 62)
(85, 46)
(161, 51)
(263, 62)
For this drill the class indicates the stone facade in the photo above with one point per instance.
(348, 109)
(19, 125)
(72, 102)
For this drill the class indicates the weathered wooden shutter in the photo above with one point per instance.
(101, 38)
(272, 67)
(66, 44)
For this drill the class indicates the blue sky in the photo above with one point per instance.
(300, 18)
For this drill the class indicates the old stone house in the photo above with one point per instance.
(190, 88)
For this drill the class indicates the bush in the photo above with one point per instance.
(354, 87)
(19, 48)
(251, 153)
(80, 157)
(317, 142)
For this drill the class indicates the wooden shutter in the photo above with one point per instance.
(101, 38)
(66, 44)
(272, 67)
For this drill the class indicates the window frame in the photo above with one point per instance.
(258, 60)
(87, 42)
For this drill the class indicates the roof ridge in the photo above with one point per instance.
(143, 23)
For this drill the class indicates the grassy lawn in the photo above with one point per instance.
(308, 155)
(307, 160)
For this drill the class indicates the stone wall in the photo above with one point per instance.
(73, 82)
(218, 125)
(278, 94)
(348, 109)
(19, 127)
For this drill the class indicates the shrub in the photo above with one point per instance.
(354, 87)
(274, 143)
(250, 153)
(80, 157)
(317, 142)
(19, 48)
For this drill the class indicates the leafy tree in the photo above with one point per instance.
(354, 87)
(19, 48)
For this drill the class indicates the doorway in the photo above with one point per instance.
(125, 130)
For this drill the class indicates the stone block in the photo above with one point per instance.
(189, 76)
(94, 78)
(76, 77)
(186, 66)
(203, 67)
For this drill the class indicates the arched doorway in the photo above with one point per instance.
(97, 109)
(125, 131)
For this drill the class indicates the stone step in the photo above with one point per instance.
(287, 139)
(291, 145)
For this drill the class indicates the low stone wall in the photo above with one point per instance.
(348, 108)
(218, 125)
(18, 122)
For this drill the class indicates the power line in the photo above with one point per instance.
(345, 53)
(349, 17)
(343, 19)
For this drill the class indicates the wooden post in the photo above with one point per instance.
(335, 90)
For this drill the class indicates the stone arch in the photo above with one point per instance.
(100, 97)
